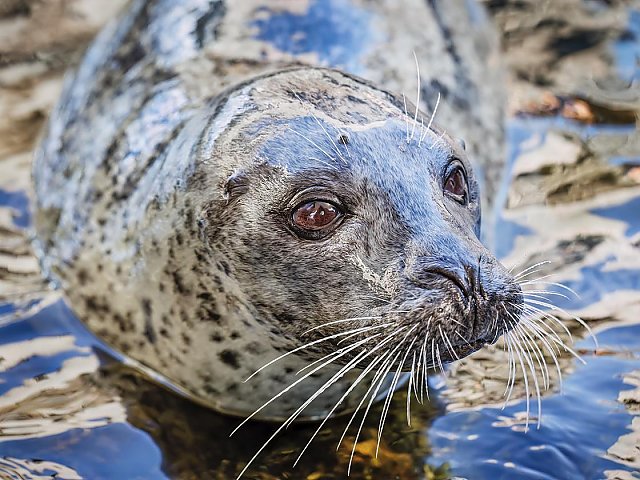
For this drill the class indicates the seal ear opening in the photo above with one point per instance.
(235, 186)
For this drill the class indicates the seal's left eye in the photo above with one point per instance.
(455, 186)
(316, 218)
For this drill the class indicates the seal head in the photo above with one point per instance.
(337, 212)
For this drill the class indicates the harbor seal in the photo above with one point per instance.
(221, 195)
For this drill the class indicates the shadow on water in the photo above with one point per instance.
(69, 409)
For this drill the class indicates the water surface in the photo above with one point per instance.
(68, 409)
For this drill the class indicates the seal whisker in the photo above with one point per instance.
(371, 386)
(334, 322)
(542, 336)
(463, 339)
(525, 376)
(512, 368)
(355, 383)
(433, 353)
(366, 412)
(406, 117)
(532, 317)
(457, 322)
(424, 377)
(336, 355)
(333, 379)
(315, 145)
(385, 359)
(373, 395)
(555, 284)
(566, 347)
(528, 269)
(527, 357)
(306, 345)
(574, 317)
(375, 327)
(538, 312)
(279, 429)
(448, 343)
(540, 294)
(411, 382)
(439, 357)
(335, 145)
(415, 115)
(433, 116)
(533, 348)
(438, 140)
(394, 384)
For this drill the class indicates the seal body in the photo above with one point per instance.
(196, 139)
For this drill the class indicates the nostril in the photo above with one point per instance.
(456, 278)
(473, 278)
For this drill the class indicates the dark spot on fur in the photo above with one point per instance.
(216, 337)
(149, 332)
(180, 238)
(343, 139)
(231, 358)
(235, 335)
(179, 283)
(83, 276)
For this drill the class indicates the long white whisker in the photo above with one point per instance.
(528, 269)
(411, 382)
(373, 396)
(415, 116)
(344, 320)
(312, 143)
(433, 115)
(525, 377)
(406, 115)
(362, 375)
(337, 354)
(310, 344)
(545, 314)
(394, 383)
(576, 318)
(310, 365)
(526, 355)
(542, 336)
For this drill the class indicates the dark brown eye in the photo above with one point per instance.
(456, 186)
(315, 218)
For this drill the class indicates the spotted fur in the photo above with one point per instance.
(164, 178)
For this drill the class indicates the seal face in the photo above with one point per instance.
(301, 215)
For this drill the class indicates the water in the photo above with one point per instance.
(68, 409)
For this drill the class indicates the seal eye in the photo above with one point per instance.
(456, 186)
(316, 218)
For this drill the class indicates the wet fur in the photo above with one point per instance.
(150, 173)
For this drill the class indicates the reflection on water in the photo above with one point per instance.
(69, 410)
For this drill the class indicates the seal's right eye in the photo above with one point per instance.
(315, 219)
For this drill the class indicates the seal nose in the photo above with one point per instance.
(432, 270)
